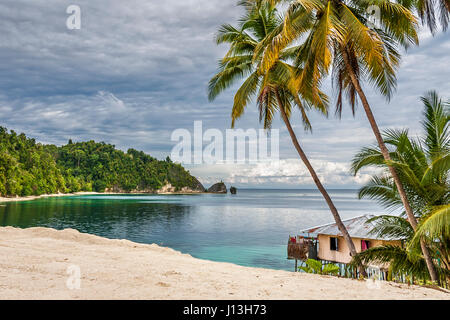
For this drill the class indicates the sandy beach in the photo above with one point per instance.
(43, 263)
(28, 198)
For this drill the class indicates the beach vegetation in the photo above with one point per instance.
(316, 267)
(423, 165)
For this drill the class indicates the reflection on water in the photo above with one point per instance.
(250, 228)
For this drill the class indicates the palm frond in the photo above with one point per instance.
(383, 190)
(243, 96)
(436, 225)
(436, 124)
(394, 227)
(231, 69)
(368, 156)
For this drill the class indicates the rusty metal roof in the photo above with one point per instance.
(357, 227)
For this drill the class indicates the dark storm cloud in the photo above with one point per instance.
(155, 56)
(130, 46)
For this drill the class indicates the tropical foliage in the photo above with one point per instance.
(274, 89)
(338, 35)
(30, 168)
(316, 267)
(26, 168)
(423, 165)
(431, 12)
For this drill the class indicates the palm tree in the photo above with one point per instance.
(422, 165)
(274, 89)
(426, 10)
(337, 33)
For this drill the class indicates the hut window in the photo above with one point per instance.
(365, 244)
(334, 244)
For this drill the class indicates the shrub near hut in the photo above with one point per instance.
(316, 267)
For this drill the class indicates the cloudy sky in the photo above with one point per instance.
(138, 69)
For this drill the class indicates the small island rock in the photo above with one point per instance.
(218, 188)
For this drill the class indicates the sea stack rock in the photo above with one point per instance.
(218, 188)
(233, 190)
(197, 186)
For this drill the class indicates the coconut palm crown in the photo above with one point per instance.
(268, 88)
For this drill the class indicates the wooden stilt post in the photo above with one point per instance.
(295, 265)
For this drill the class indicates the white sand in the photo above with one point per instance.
(81, 193)
(28, 198)
(34, 263)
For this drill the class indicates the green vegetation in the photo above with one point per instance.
(422, 165)
(30, 168)
(26, 168)
(316, 267)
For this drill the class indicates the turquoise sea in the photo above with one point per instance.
(250, 228)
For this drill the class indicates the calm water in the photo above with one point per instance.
(250, 228)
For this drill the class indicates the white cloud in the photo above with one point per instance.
(287, 173)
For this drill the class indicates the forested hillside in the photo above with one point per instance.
(30, 168)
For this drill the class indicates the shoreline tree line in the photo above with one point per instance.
(30, 168)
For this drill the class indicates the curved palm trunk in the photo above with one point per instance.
(319, 185)
(411, 218)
